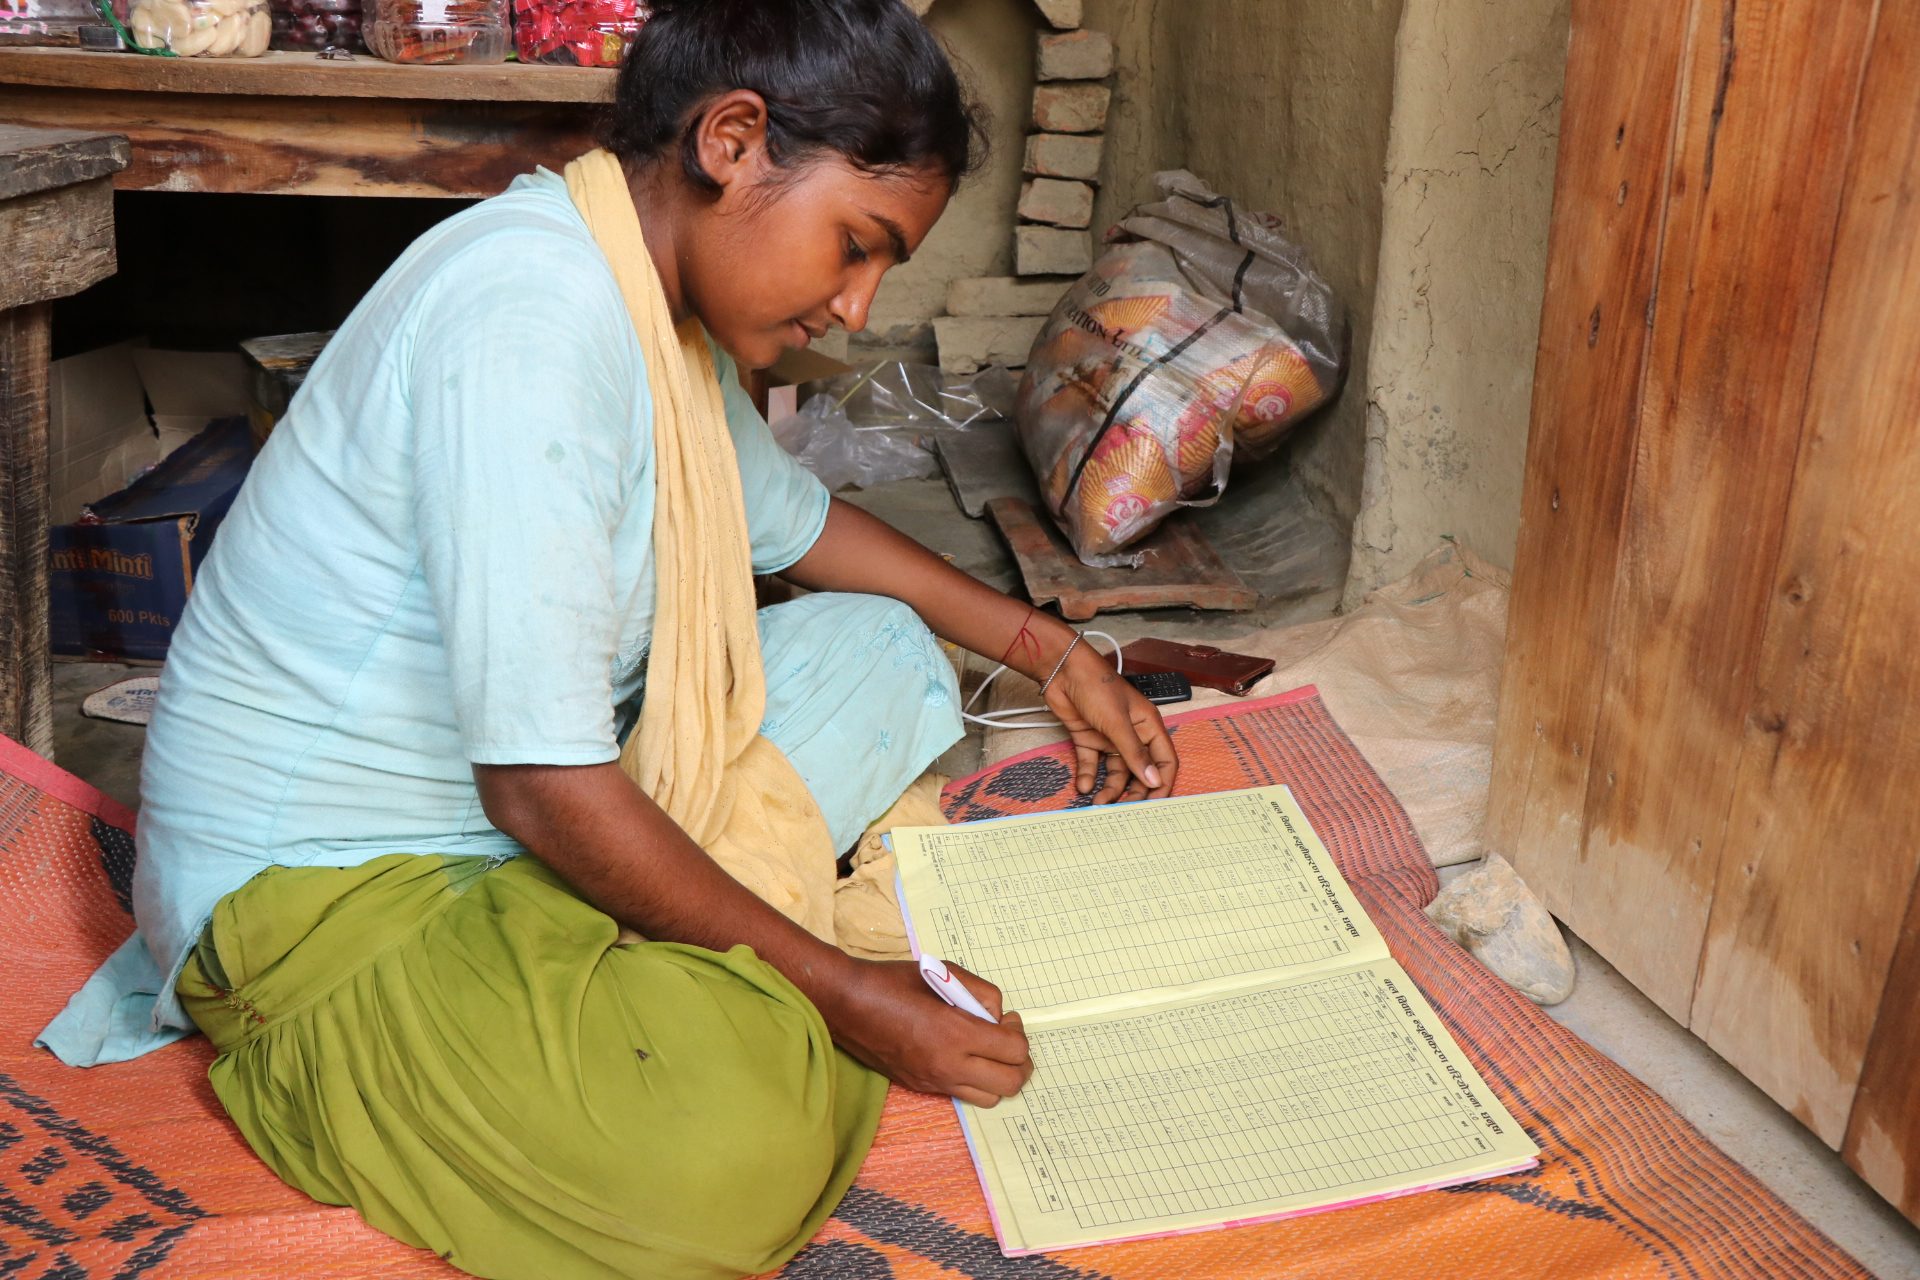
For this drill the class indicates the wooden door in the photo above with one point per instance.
(1708, 760)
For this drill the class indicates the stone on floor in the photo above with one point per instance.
(1498, 921)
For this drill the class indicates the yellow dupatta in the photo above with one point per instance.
(697, 749)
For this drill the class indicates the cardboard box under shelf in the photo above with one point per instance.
(99, 436)
(119, 581)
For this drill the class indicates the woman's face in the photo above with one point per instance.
(785, 253)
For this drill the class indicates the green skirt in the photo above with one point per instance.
(460, 1051)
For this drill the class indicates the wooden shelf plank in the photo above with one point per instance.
(302, 75)
(315, 146)
(34, 160)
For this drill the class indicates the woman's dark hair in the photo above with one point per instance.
(863, 79)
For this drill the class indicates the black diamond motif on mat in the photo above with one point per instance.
(920, 1230)
(1525, 1188)
(116, 859)
(72, 1207)
(1031, 780)
(838, 1260)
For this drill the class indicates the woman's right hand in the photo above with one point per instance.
(885, 1015)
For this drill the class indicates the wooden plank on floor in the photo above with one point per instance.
(1610, 191)
(1181, 568)
(1747, 248)
(983, 461)
(1823, 836)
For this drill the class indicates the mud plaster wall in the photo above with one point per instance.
(1283, 105)
(994, 39)
(1409, 144)
(1463, 253)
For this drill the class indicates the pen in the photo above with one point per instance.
(951, 989)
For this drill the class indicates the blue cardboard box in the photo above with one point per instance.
(120, 579)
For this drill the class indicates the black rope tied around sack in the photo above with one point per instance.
(1233, 234)
(1200, 331)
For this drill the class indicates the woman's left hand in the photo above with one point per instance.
(1108, 719)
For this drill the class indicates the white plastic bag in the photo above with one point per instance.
(863, 429)
(843, 455)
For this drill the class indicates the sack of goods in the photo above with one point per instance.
(1200, 331)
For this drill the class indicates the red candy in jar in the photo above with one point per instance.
(576, 33)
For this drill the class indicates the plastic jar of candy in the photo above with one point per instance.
(201, 28)
(46, 21)
(308, 26)
(576, 33)
(438, 30)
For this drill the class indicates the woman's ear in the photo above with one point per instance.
(730, 137)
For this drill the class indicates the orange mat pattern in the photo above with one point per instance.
(131, 1171)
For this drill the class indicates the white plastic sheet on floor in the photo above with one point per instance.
(1412, 675)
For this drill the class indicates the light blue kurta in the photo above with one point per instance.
(442, 558)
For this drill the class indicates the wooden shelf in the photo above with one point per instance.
(302, 75)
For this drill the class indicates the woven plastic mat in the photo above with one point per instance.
(130, 1170)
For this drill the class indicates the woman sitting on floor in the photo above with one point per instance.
(488, 592)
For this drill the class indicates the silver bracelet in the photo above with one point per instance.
(1048, 683)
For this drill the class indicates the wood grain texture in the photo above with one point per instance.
(319, 146)
(1883, 1134)
(302, 75)
(37, 159)
(1181, 568)
(26, 673)
(1616, 135)
(1823, 834)
(40, 39)
(1707, 745)
(56, 223)
(58, 241)
(1744, 264)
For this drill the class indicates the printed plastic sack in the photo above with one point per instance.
(1201, 331)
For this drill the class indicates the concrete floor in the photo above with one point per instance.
(105, 753)
(1616, 1019)
(1604, 1008)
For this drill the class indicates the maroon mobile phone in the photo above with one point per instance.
(1202, 664)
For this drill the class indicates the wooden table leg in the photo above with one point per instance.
(26, 672)
(56, 223)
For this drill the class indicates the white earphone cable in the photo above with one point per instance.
(997, 719)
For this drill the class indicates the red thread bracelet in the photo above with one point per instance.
(1022, 634)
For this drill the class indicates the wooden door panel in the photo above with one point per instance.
(1748, 241)
(1823, 835)
(1616, 135)
(1883, 1134)
(1708, 759)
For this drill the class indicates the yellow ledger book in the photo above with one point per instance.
(1219, 1034)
